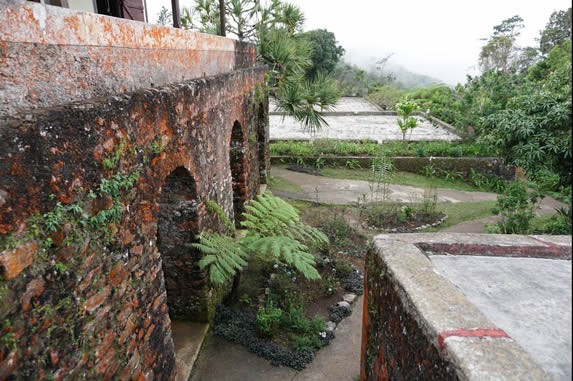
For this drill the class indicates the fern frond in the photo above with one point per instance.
(225, 256)
(285, 249)
(213, 207)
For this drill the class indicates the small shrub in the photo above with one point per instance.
(308, 342)
(515, 207)
(352, 164)
(268, 318)
(558, 223)
(455, 151)
(330, 285)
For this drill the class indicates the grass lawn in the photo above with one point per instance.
(401, 178)
(462, 212)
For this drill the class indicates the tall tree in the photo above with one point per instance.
(557, 31)
(500, 51)
(325, 51)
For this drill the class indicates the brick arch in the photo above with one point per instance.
(177, 228)
(237, 163)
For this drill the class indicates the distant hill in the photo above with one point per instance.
(405, 78)
(408, 79)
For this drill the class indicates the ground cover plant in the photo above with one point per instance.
(278, 309)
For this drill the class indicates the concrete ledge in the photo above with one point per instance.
(408, 301)
(53, 55)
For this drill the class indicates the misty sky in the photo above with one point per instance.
(439, 38)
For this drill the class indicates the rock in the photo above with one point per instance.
(343, 304)
(349, 298)
(330, 326)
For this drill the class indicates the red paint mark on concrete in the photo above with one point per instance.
(475, 332)
(547, 243)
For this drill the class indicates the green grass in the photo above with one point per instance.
(401, 178)
(463, 212)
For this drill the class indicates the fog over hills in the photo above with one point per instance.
(405, 78)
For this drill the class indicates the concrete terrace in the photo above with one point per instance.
(355, 119)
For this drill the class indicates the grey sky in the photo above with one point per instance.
(440, 38)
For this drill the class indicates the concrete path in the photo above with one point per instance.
(221, 360)
(344, 192)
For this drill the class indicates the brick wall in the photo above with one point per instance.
(101, 198)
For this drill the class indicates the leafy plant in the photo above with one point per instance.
(268, 318)
(515, 207)
(404, 109)
(275, 233)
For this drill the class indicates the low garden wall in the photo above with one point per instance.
(462, 166)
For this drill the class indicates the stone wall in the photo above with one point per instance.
(460, 165)
(102, 198)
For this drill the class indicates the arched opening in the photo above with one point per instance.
(237, 164)
(177, 228)
(262, 144)
(186, 285)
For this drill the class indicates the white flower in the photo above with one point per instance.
(323, 335)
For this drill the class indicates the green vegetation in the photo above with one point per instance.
(274, 234)
(368, 148)
(298, 63)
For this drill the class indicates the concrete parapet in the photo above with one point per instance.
(52, 55)
(418, 325)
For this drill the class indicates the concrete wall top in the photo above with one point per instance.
(52, 56)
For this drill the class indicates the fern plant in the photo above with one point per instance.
(224, 256)
(275, 233)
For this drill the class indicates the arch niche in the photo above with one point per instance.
(178, 225)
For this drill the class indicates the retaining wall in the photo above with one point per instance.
(460, 165)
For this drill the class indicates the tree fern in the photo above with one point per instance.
(284, 249)
(268, 215)
(274, 232)
(224, 256)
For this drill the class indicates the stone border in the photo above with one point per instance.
(416, 229)
(458, 337)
